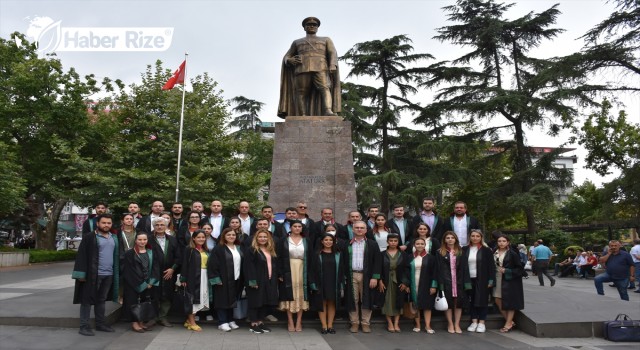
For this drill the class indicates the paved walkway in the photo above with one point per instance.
(43, 291)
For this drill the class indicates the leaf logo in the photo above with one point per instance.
(50, 37)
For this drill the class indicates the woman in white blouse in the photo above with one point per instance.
(293, 252)
(482, 273)
(381, 231)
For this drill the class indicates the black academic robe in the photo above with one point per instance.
(317, 231)
(421, 293)
(435, 245)
(86, 267)
(463, 282)
(171, 257)
(372, 267)
(256, 274)
(485, 275)
(316, 280)
(403, 271)
(183, 236)
(512, 291)
(136, 279)
(471, 224)
(438, 225)
(191, 273)
(226, 289)
(285, 288)
(281, 230)
(408, 230)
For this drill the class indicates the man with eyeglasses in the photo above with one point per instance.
(301, 208)
(167, 250)
(365, 264)
(310, 82)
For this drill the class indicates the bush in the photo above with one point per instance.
(38, 255)
(41, 255)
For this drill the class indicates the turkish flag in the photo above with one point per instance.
(176, 78)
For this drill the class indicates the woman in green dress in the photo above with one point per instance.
(394, 282)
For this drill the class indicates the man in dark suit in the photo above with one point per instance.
(90, 224)
(267, 214)
(318, 227)
(216, 219)
(401, 225)
(429, 216)
(167, 250)
(461, 223)
(145, 223)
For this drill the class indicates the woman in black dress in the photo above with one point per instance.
(327, 281)
(508, 292)
(141, 272)
(261, 279)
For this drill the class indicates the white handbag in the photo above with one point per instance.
(441, 302)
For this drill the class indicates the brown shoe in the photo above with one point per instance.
(354, 328)
(366, 328)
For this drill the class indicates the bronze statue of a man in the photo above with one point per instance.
(310, 83)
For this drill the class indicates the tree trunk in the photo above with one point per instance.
(47, 239)
(521, 164)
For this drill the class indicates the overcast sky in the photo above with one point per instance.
(241, 43)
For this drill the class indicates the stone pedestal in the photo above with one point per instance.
(313, 162)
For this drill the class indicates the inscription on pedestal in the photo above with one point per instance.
(312, 179)
(313, 161)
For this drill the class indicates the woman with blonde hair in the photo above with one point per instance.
(261, 279)
(482, 271)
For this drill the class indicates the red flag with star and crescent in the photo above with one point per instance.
(176, 78)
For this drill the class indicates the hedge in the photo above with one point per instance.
(41, 255)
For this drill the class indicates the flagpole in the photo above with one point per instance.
(184, 90)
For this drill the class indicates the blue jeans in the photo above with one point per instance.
(621, 284)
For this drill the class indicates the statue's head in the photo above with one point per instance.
(311, 20)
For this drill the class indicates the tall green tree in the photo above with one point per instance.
(497, 81)
(44, 123)
(391, 62)
(247, 110)
(614, 144)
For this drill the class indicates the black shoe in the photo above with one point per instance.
(256, 329)
(553, 283)
(323, 331)
(333, 331)
(264, 328)
(86, 331)
(630, 287)
(612, 285)
(104, 328)
(164, 323)
(637, 291)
